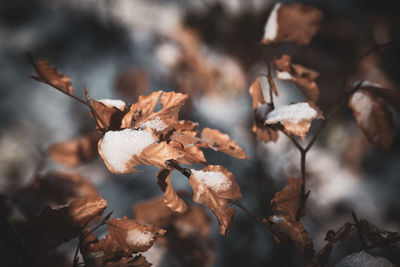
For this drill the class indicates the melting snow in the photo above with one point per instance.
(363, 104)
(119, 146)
(293, 113)
(217, 181)
(277, 219)
(139, 238)
(119, 104)
(284, 75)
(271, 27)
(156, 124)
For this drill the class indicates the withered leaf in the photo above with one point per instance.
(108, 116)
(171, 198)
(390, 94)
(154, 211)
(289, 199)
(293, 22)
(373, 117)
(295, 118)
(55, 226)
(132, 236)
(303, 77)
(195, 221)
(260, 110)
(222, 142)
(213, 186)
(377, 235)
(76, 151)
(296, 232)
(48, 74)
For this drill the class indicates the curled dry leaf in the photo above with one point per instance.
(294, 22)
(222, 142)
(260, 110)
(171, 198)
(131, 236)
(213, 186)
(303, 77)
(109, 113)
(55, 226)
(154, 211)
(296, 232)
(373, 117)
(296, 118)
(289, 199)
(123, 150)
(376, 235)
(76, 151)
(48, 74)
(390, 94)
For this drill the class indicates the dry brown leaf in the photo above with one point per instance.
(154, 211)
(190, 155)
(213, 186)
(296, 232)
(48, 74)
(55, 226)
(222, 142)
(376, 235)
(303, 77)
(108, 116)
(289, 199)
(260, 110)
(171, 198)
(76, 151)
(295, 118)
(373, 117)
(131, 236)
(293, 22)
(390, 94)
(195, 221)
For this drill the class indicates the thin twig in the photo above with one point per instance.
(103, 222)
(359, 229)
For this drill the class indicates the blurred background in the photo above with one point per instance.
(209, 49)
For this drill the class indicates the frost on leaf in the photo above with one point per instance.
(76, 151)
(213, 186)
(296, 118)
(295, 231)
(222, 142)
(108, 113)
(48, 74)
(373, 117)
(55, 226)
(260, 110)
(294, 22)
(288, 200)
(303, 77)
(171, 198)
(131, 236)
(390, 94)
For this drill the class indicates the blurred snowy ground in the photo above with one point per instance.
(93, 41)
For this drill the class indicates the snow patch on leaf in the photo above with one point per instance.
(139, 238)
(118, 147)
(277, 219)
(156, 124)
(119, 104)
(363, 259)
(271, 27)
(216, 181)
(364, 103)
(293, 113)
(284, 75)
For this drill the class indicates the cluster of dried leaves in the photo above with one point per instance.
(135, 134)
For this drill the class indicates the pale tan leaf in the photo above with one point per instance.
(154, 211)
(48, 74)
(222, 142)
(293, 22)
(171, 198)
(257, 93)
(76, 151)
(107, 116)
(373, 117)
(213, 186)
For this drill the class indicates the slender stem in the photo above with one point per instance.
(271, 85)
(359, 229)
(373, 49)
(103, 222)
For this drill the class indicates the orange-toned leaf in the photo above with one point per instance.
(213, 186)
(154, 211)
(76, 151)
(293, 22)
(303, 77)
(296, 118)
(48, 74)
(171, 198)
(373, 117)
(131, 236)
(222, 142)
(288, 200)
(108, 116)
(55, 226)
